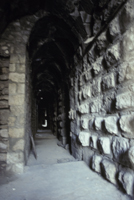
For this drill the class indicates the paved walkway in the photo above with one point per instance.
(56, 175)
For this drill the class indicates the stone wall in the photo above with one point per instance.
(4, 104)
(102, 130)
(14, 125)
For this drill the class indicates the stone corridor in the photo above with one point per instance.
(56, 175)
(68, 66)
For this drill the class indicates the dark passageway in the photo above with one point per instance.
(67, 68)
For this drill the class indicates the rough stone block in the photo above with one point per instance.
(84, 138)
(15, 109)
(86, 92)
(130, 71)
(98, 123)
(12, 88)
(111, 124)
(4, 104)
(122, 72)
(120, 147)
(4, 133)
(102, 43)
(109, 170)
(20, 68)
(95, 106)
(87, 155)
(17, 58)
(11, 121)
(125, 100)
(84, 123)
(12, 67)
(3, 156)
(114, 28)
(128, 45)
(84, 108)
(16, 132)
(5, 91)
(16, 99)
(126, 178)
(4, 77)
(96, 88)
(112, 55)
(87, 75)
(93, 141)
(104, 145)
(97, 66)
(15, 157)
(131, 156)
(21, 88)
(96, 160)
(108, 82)
(3, 146)
(3, 84)
(126, 15)
(4, 113)
(127, 125)
(16, 77)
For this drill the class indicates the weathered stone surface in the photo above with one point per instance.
(86, 92)
(84, 108)
(114, 28)
(84, 138)
(16, 132)
(96, 160)
(16, 109)
(87, 155)
(21, 88)
(84, 123)
(102, 43)
(3, 84)
(16, 99)
(124, 100)
(3, 146)
(3, 156)
(127, 180)
(98, 123)
(111, 124)
(19, 145)
(11, 121)
(4, 77)
(17, 58)
(109, 170)
(127, 125)
(5, 91)
(97, 66)
(104, 145)
(14, 158)
(12, 67)
(93, 141)
(120, 147)
(88, 75)
(95, 106)
(4, 113)
(96, 88)
(122, 72)
(131, 156)
(4, 133)
(15, 77)
(126, 15)
(127, 45)
(4, 104)
(112, 55)
(108, 82)
(18, 168)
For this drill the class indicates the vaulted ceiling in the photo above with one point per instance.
(55, 38)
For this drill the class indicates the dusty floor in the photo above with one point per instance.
(56, 175)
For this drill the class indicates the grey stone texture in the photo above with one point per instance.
(109, 170)
(84, 138)
(96, 160)
(111, 124)
(126, 178)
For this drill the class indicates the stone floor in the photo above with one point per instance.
(56, 175)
